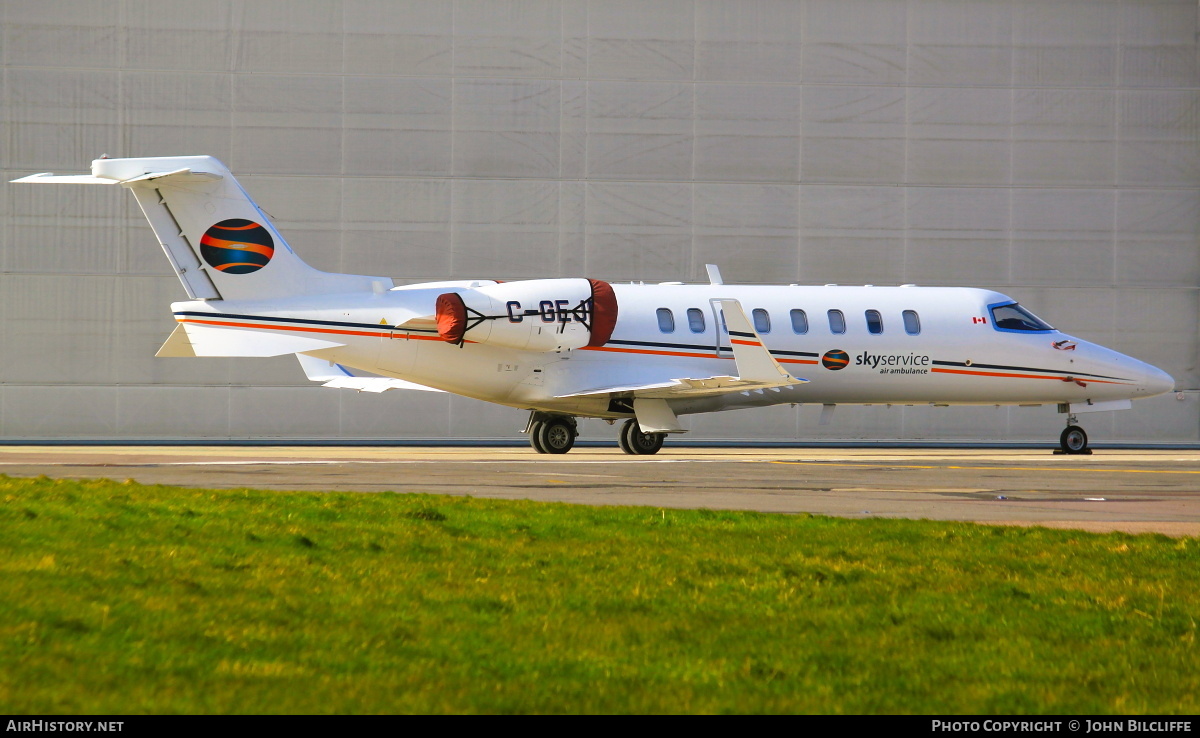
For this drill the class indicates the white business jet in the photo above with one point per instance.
(570, 348)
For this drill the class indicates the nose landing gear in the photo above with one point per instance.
(1074, 439)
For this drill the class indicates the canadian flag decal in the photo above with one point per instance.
(977, 321)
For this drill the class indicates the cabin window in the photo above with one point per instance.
(1013, 317)
(874, 322)
(837, 322)
(799, 322)
(666, 320)
(912, 322)
(762, 321)
(696, 320)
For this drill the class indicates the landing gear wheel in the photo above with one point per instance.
(535, 436)
(623, 436)
(633, 441)
(1074, 440)
(555, 436)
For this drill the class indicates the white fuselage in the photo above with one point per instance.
(572, 347)
(957, 356)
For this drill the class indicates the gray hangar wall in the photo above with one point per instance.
(1044, 148)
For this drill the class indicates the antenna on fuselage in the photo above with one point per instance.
(714, 274)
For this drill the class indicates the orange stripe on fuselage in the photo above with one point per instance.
(683, 353)
(307, 329)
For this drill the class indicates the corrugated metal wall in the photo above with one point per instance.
(1045, 148)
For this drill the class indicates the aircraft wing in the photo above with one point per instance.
(650, 401)
(337, 376)
(684, 387)
(757, 369)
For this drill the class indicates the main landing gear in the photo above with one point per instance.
(551, 434)
(633, 441)
(556, 434)
(1074, 439)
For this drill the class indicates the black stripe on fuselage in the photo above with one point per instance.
(973, 365)
(702, 347)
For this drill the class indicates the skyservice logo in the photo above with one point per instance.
(836, 359)
(237, 246)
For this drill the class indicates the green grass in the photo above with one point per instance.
(129, 599)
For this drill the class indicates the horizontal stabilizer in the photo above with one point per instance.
(50, 178)
(219, 243)
(332, 374)
(177, 176)
(213, 341)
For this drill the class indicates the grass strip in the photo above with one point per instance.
(125, 598)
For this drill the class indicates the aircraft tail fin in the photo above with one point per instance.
(219, 242)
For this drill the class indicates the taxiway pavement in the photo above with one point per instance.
(1131, 491)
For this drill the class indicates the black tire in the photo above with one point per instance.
(535, 436)
(623, 437)
(636, 442)
(556, 436)
(1073, 440)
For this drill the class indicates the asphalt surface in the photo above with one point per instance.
(1131, 491)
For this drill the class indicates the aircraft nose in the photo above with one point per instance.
(1155, 381)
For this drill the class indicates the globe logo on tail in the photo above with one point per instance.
(237, 246)
(836, 359)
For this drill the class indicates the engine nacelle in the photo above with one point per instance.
(530, 315)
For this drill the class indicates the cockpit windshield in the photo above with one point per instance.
(1013, 317)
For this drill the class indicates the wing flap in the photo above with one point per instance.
(656, 416)
(685, 387)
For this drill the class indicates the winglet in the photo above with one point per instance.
(754, 361)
